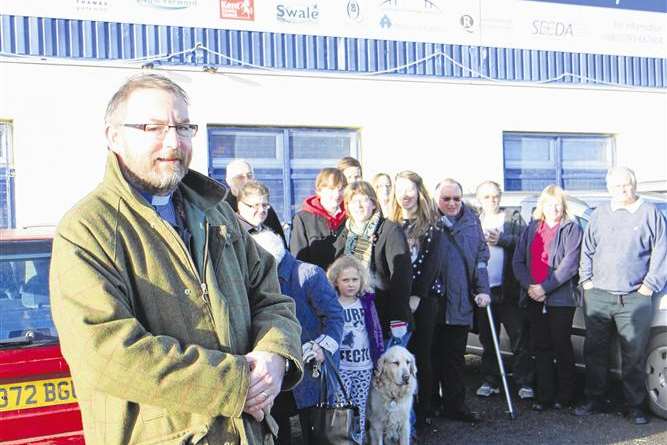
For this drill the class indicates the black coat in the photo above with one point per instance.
(272, 221)
(393, 273)
(313, 241)
(512, 228)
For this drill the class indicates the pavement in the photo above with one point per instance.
(530, 427)
(533, 428)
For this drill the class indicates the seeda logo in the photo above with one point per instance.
(552, 28)
(237, 9)
(298, 14)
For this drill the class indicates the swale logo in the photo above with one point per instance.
(298, 14)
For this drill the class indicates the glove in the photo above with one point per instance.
(307, 352)
(398, 328)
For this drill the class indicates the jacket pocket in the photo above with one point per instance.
(178, 438)
(149, 413)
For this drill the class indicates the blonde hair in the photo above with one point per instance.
(359, 188)
(345, 262)
(330, 177)
(426, 214)
(551, 191)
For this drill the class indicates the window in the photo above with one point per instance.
(24, 290)
(287, 160)
(573, 161)
(6, 177)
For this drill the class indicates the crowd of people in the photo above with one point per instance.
(161, 277)
(434, 263)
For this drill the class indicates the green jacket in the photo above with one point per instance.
(155, 341)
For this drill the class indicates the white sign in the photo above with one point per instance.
(498, 23)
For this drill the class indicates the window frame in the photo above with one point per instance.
(556, 146)
(289, 167)
(8, 212)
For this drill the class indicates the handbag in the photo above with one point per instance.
(333, 423)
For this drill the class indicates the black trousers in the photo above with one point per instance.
(630, 317)
(515, 320)
(421, 345)
(550, 333)
(449, 364)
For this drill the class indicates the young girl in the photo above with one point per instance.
(361, 344)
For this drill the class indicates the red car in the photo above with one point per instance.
(37, 399)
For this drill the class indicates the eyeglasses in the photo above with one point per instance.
(161, 130)
(257, 207)
(451, 198)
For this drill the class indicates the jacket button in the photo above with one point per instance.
(187, 292)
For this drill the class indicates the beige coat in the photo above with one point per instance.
(155, 340)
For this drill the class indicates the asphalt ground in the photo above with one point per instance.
(530, 427)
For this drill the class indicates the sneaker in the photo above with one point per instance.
(637, 416)
(526, 392)
(487, 390)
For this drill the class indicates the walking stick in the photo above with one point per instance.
(496, 344)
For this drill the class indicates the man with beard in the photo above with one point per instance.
(147, 271)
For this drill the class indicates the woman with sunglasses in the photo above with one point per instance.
(412, 208)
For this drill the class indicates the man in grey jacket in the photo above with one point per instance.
(623, 262)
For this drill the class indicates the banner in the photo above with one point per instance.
(617, 27)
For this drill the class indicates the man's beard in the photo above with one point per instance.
(154, 184)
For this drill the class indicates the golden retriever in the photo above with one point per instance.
(390, 399)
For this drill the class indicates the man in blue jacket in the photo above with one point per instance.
(623, 262)
(466, 287)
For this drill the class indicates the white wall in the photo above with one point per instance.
(437, 128)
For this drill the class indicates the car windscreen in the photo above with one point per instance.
(25, 311)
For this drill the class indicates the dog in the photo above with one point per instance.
(390, 399)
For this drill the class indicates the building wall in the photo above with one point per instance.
(438, 128)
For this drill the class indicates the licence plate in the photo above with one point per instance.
(37, 393)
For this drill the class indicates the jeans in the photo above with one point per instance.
(630, 317)
(550, 338)
(515, 319)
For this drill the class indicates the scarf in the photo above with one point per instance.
(313, 205)
(361, 240)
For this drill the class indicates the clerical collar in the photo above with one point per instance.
(156, 200)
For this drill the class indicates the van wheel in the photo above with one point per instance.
(656, 374)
